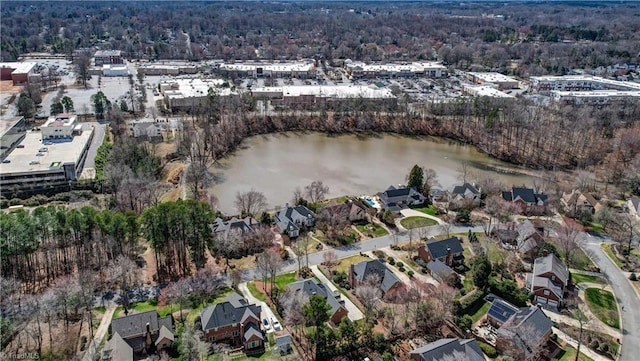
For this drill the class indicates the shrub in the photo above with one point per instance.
(488, 350)
(391, 261)
(604, 347)
(554, 337)
(410, 274)
(594, 344)
(400, 265)
(401, 269)
(153, 301)
(465, 322)
(633, 277)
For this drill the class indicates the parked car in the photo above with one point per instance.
(276, 324)
(266, 325)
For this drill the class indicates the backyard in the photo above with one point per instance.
(603, 305)
(417, 222)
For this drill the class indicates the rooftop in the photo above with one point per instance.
(487, 91)
(493, 77)
(598, 94)
(190, 88)
(415, 67)
(289, 66)
(19, 68)
(330, 91)
(8, 123)
(584, 78)
(107, 53)
(24, 159)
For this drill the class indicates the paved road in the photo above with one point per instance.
(627, 298)
(100, 333)
(365, 246)
(98, 136)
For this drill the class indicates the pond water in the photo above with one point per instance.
(275, 164)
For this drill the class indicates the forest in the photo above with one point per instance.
(520, 38)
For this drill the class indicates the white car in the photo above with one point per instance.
(276, 324)
(266, 325)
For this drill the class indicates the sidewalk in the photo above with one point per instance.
(354, 311)
(593, 324)
(100, 333)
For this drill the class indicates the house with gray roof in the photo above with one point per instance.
(117, 349)
(394, 199)
(141, 331)
(242, 226)
(290, 219)
(235, 322)
(361, 272)
(529, 240)
(310, 287)
(548, 281)
(527, 198)
(449, 251)
(500, 311)
(466, 192)
(524, 334)
(439, 270)
(284, 344)
(458, 349)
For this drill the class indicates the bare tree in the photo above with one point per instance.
(585, 181)
(235, 276)
(82, 63)
(330, 259)
(250, 203)
(369, 294)
(567, 237)
(430, 180)
(446, 228)
(125, 275)
(316, 191)
(465, 173)
(227, 245)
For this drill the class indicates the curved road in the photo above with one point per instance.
(628, 300)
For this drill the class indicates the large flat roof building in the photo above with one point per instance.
(102, 57)
(594, 97)
(185, 94)
(358, 69)
(500, 80)
(18, 72)
(12, 130)
(486, 91)
(579, 83)
(38, 164)
(299, 69)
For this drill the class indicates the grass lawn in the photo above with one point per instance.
(595, 227)
(254, 291)
(271, 355)
(494, 252)
(603, 305)
(415, 222)
(430, 210)
(481, 311)
(244, 262)
(568, 353)
(579, 278)
(371, 230)
(607, 249)
(283, 280)
(313, 243)
(344, 264)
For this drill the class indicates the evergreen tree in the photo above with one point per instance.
(415, 178)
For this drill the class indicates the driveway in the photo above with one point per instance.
(413, 213)
(266, 310)
(354, 311)
(100, 333)
(628, 300)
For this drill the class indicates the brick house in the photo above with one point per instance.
(310, 287)
(449, 251)
(144, 332)
(524, 334)
(548, 281)
(233, 321)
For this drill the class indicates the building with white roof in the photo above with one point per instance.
(171, 68)
(300, 69)
(59, 126)
(358, 70)
(114, 70)
(185, 94)
(595, 96)
(321, 94)
(18, 72)
(544, 84)
(486, 91)
(500, 80)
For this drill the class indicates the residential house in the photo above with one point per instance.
(633, 204)
(448, 251)
(283, 344)
(353, 210)
(466, 193)
(117, 349)
(394, 199)
(363, 271)
(144, 332)
(529, 240)
(525, 197)
(310, 287)
(524, 334)
(548, 281)
(235, 322)
(577, 202)
(500, 311)
(439, 270)
(458, 349)
(290, 219)
(242, 226)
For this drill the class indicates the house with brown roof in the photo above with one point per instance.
(144, 332)
(576, 202)
(526, 198)
(233, 321)
(352, 211)
(548, 281)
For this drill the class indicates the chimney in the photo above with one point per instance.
(147, 341)
(449, 259)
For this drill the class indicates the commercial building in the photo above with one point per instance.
(301, 69)
(114, 70)
(12, 130)
(187, 94)
(500, 80)
(19, 73)
(60, 126)
(322, 94)
(594, 97)
(102, 57)
(486, 91)
(42, 163)
(545, 84)
(170, 68)
(359, 70)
